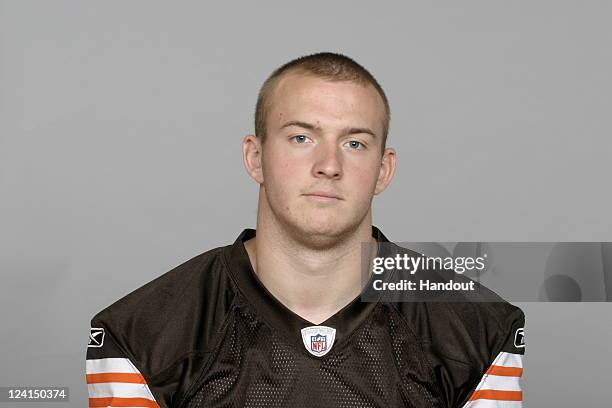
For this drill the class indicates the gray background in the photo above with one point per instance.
(120, 133)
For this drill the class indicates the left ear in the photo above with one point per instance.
(387, 170)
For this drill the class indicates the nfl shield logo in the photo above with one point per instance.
(318, 340)
(318, 343)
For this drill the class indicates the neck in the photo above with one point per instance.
(312, 282)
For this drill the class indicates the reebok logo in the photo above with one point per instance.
(96, 337)
(519, 338)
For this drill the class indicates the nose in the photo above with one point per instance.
(328, 161)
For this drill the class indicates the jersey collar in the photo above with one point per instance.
(273, 312)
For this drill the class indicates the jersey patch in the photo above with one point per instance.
(519, 338)
(96, 337)
(318, 340)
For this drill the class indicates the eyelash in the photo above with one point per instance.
(361, 145)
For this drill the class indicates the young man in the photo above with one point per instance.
(276, 319)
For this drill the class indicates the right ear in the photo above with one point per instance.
(251, 157)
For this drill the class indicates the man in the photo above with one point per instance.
(276, 319)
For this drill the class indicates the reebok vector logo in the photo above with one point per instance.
(318, 340)
(519, 338)
(96, 337)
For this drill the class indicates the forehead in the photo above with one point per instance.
(308, 98)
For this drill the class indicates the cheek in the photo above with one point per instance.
(277, 160)
(364, 178)
(282, 178)
(284, 172)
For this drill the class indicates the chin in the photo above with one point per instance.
(321, 233)
(318, 227)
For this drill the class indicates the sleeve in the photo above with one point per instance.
(112, 375)
(499, 385)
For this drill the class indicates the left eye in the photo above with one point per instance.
(300, 139)
(354, 144)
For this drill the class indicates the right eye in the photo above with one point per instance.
(300, 139)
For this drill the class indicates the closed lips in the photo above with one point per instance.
(324, 194)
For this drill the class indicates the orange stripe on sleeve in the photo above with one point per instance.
(122, 402)
(505, 371)
(497, 395)
(134, 378)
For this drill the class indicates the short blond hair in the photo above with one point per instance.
(325, 65)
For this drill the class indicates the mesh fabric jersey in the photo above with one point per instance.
(209, 334)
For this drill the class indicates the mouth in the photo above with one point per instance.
(323, 196)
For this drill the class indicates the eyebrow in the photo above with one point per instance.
(345, 131)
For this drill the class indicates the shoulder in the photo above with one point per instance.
(464, 330)
(471, 328)
(156, 323)
(468, 344)
(455, 315)
(466, 341)
(467, 335)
